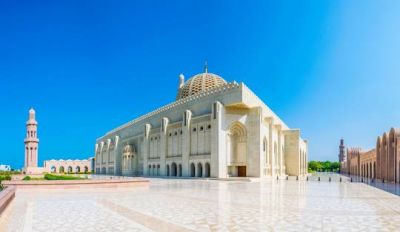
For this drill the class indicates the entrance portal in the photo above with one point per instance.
(242, 171)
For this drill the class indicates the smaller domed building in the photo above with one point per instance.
(214, 128)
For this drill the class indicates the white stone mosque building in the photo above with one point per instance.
(214, 128)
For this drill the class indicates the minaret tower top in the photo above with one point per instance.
(341, 151)
(32, 115)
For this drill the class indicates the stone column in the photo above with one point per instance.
(117, 157)
(279, 153)
(101, 157)
(107, 158)
(218, 141)
(96, 161)
(254, 160)
(147, 129)
(270, 121)
(186, 122)
(163, 144)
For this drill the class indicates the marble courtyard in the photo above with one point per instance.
(206, 205)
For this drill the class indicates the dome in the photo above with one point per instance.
(199, 83)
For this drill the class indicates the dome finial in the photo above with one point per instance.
(205, 67)
(32, 113)
(181, 80)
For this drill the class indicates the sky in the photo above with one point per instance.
(330, 68)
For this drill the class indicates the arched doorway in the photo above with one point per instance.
(129, 161)
(180, 170)
(173, 169)
(207, 170)
(86, 169)
(53, 169)
(77, 169)
(168, 170)
(199, 170)
(192, 170)
(237, 150)
(61, 169)
(69, 169)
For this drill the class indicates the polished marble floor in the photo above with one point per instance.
(207, 205)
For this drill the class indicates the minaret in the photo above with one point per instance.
(31, 141)
(341, 151)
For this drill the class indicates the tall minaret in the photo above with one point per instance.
(341, 151)
(31, 141)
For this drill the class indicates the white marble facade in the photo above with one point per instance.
(213, 129)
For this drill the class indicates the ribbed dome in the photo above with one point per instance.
(199, 83)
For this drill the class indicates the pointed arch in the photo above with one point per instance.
(237, 143)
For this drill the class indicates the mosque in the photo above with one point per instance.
(214, 128)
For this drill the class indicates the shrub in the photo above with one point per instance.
(27, 178)
(61, 177)
(5, 177)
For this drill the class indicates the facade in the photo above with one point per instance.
(361, 163)
(388, 156)
(213, 129)
(5, 168)
(382, 163)
(68, 166)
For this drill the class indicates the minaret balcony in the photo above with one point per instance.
(34, 140)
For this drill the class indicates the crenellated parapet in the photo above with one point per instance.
(189, 99)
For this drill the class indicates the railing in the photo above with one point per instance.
(323, 177)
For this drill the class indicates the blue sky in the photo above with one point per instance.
(330, 68)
